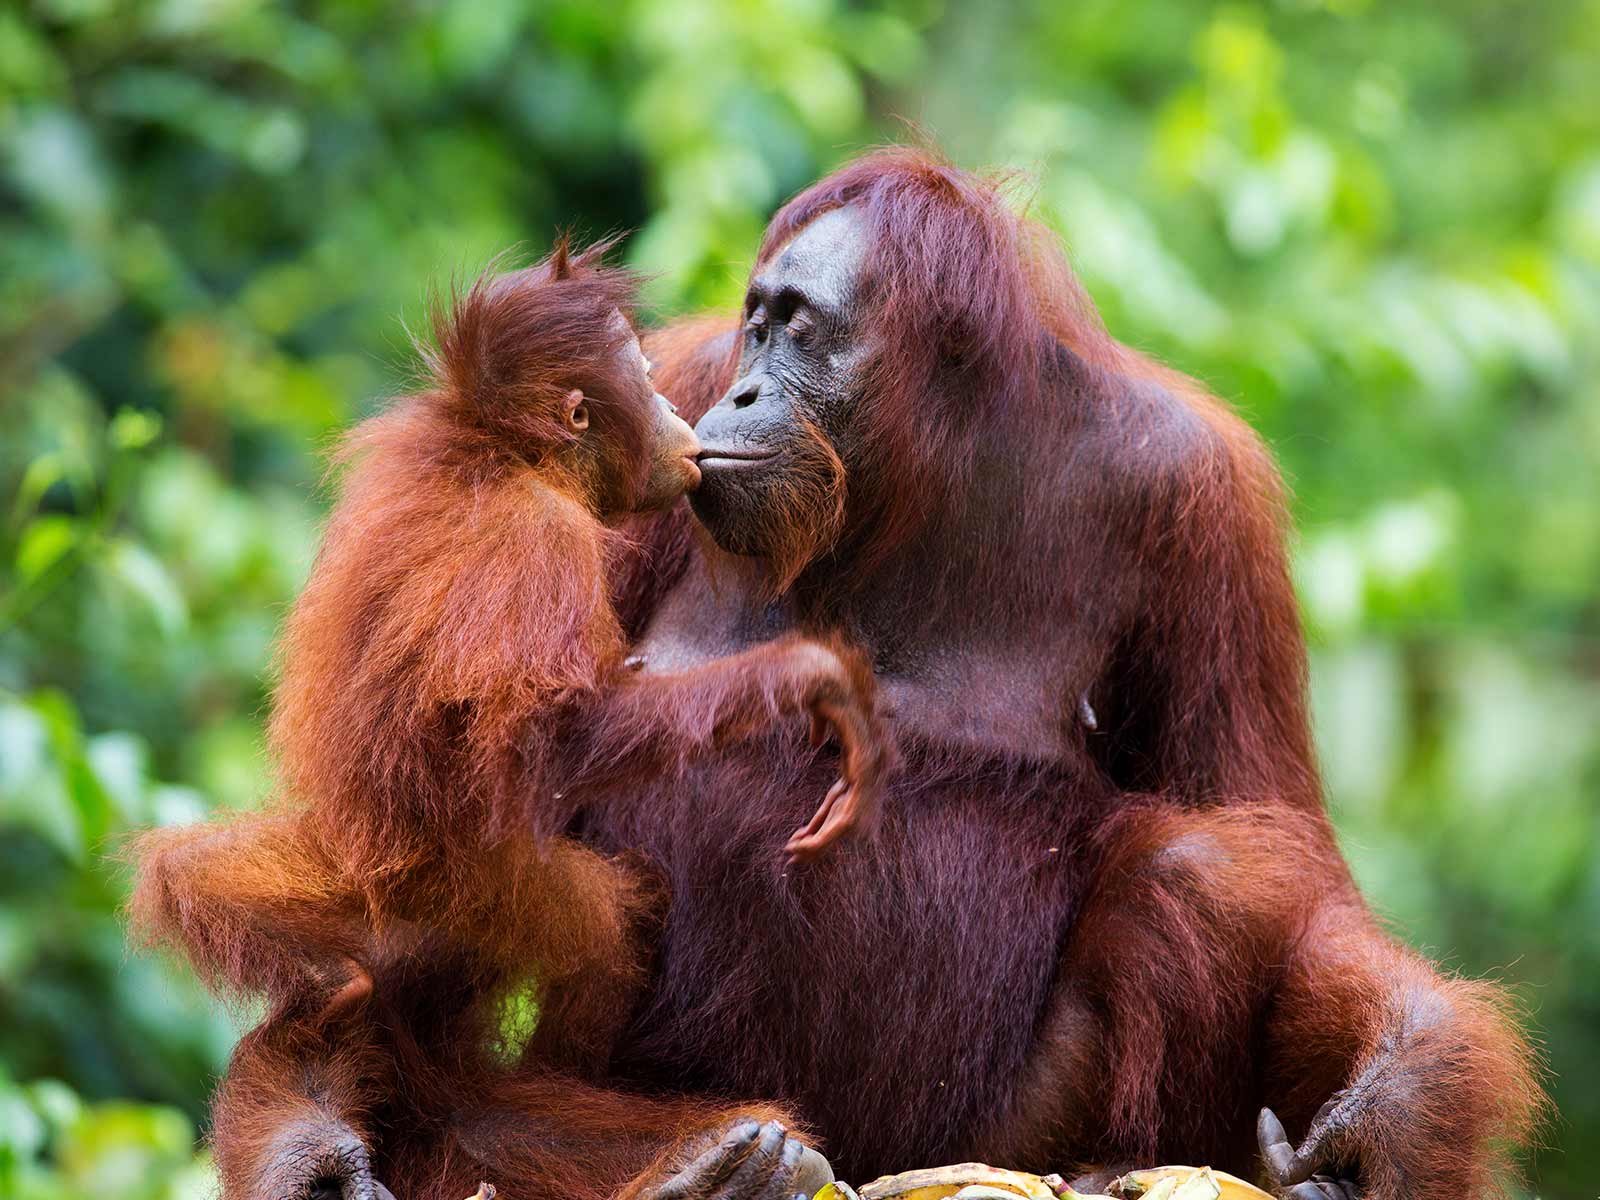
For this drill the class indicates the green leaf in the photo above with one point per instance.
(33, 786)
(22, 1130)
(55, 161)
(42, 474)
(45, 542)
(120, 762)
(24, 746)
(90, 803)
(173, 805)
(57, 1103)
(148, 582)
(134, 428)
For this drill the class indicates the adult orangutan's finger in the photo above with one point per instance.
(808, 1171)
(713, 1166)
(751, 1175)
(1282, 1160)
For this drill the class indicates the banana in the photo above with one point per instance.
(937, 1183)
(1190, 1183)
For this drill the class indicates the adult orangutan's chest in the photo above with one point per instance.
(997, 696)
(892, 989)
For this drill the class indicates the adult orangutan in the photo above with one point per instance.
(1105, 919)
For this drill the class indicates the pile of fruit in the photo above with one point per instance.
(974, 1181)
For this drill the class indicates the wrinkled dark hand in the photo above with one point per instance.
(749, 1160)
(1310, 1171)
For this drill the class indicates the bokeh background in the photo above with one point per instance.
(1374, 224)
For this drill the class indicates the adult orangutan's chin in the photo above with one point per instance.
(786, 508)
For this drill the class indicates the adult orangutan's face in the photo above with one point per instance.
(772, 479)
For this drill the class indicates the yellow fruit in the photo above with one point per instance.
(938, 1183)
(975, 1181)
(1189, 1183)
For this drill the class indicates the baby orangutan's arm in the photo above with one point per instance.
(645, 721)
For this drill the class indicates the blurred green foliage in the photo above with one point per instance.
(1375, 226)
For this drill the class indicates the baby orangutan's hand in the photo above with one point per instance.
(867, 758)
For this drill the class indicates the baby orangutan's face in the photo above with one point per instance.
(673, 470)
(609, 461)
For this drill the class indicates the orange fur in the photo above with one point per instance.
(1169, 936)
(455, 643)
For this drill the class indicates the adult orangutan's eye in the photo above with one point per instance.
(801, 327)
(757, 325)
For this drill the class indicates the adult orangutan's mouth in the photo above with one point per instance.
(720, 459)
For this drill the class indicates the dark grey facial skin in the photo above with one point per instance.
(801, 346)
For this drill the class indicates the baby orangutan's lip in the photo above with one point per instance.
(691, 472)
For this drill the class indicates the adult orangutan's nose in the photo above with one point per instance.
(748, 416)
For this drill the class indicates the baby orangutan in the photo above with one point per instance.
(453, 676)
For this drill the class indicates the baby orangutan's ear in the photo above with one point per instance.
(577, 411)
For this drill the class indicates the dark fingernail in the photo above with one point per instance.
(1269, 1128)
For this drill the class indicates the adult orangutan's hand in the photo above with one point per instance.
(747, 1160)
